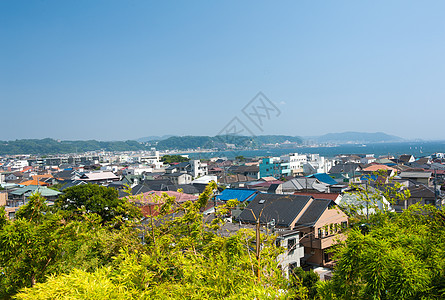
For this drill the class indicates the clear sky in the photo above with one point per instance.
(116, 70)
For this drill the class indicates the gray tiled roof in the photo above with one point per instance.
(314, 211)
(283, 208)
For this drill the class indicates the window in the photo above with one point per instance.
(291, 244)
(320, 233)
(344, 224)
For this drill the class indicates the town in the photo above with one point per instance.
(303, 198)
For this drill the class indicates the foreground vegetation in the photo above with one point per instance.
(78, 250)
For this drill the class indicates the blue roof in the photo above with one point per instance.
(369, 177)
(240, 194)
(325, 178)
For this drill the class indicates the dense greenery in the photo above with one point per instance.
(182, 258)
(402, 257)
(219, 142)
(41, 242)
(100, 200)
(168, 159)
(51, 146)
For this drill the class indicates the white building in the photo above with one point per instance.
(139, 170)
(294, 251)
(317, 164)
(198, 168)
(19, 164)
(296, 162)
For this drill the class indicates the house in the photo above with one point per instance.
(317, 164)
(419, 176)
(264, 185)
(318, 219)
(304, 184)
(364, 205)
(368, 159)
(3, 198)
(294, 250)
(239, 194)
(198, 168)
(323, 178)
(321, 226)
(419, 194)
(296, 162)
(236, 180)
(20, 197)
(379, 168)
(249, 171)
(406, 158)
(206, 179)
(183, 167)
(99, 177)
(178, 178)
(352, 158)
(274, 167)
(348, 168)
(288, 239)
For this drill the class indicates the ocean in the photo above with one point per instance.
(418, 149)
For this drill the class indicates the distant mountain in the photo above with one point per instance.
(221, 142)
(153, 138)
(51, 146)
(357, 137)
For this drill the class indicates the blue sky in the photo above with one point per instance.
(116, 70)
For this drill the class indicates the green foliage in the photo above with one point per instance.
(402, 257)
(51, 146)
(183, 257)
(57, 187)
(86, 285)
(100, 200)
(193, 142)
(370, 196)
(168, 159)
(40, 242)
(307, 279)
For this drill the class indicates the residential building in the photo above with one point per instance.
(275, 167)
(198, 168)
(320, 221)
(296, 162)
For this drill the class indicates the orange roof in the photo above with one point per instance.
(26, 168)
(378, 167)
(33, 182)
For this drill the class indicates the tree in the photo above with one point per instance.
(40, 242)
(183, 257)
(307, 279)
(240, 158)
(401, 257)
(169, 159)
(103, 201)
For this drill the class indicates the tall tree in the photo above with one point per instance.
(402, 257)
(100, 200)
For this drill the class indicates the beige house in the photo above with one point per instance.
(319, 221)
